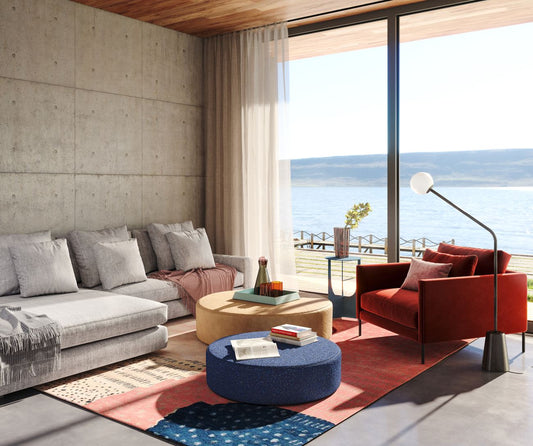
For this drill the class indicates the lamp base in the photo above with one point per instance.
(495, 358)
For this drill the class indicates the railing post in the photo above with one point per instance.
(301, 235)
(385, 245)
(324, 240)
(312, 240)
(360, 243)
(453, 241)
(413, 249)
(370, 240)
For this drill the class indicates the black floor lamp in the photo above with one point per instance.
(495, 358)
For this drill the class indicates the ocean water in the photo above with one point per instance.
(507, 211)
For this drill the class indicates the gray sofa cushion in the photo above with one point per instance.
(153, 289)
(191, 249)
(82, 243)
(146, 250)
(157, 233)
(43, 268)
(89, 315)
(8, 277)
(119, 263)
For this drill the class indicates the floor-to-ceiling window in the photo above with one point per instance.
(465, 117)
(464, 88)
(338, 145)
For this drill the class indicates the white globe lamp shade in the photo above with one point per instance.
(421, 182)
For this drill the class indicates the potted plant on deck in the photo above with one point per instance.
(341, 236)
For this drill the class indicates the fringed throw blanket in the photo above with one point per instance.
(197, 283)
(29, 345)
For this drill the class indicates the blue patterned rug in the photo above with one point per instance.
(238, 424)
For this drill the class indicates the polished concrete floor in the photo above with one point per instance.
(453, 403)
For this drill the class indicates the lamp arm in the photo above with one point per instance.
(495, 250)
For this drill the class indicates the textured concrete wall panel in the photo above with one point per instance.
(108, 133)
(35, 202)
(173, 199)
(37, 40)
(87, 140)
(108, 201)
(108, 52)
(172, 139)
(37, 127)
(172, 66)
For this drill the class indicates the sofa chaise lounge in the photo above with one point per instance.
(99, 327)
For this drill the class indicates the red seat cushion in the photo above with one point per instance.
(485, 257)
(395, 304)
(463, 265)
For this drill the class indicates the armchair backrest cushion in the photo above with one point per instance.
(485, 257)
(463, 265)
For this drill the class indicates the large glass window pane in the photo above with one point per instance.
(465, 117)
(338, 124)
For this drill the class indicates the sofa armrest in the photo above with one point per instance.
(240, 263)
(463, 307)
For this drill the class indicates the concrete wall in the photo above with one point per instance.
(100, 120)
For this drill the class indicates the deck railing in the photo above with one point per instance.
(363, 243)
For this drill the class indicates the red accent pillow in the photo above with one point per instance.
(419, 269)
(462, 265)
(485, 257)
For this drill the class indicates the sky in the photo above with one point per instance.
(469, 91)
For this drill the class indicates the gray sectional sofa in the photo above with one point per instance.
(100, 327)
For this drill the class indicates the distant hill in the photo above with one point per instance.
(497, 168)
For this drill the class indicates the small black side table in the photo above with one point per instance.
(343, 306)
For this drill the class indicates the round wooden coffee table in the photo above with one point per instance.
(218, 315)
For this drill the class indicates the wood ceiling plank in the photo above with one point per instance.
(210, 17)
(207, 17)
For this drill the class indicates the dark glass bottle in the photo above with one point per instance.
(262, 274)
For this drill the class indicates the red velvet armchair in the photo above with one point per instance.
(443, 309)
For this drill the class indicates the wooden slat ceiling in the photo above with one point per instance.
(210, 17)
(459, 19)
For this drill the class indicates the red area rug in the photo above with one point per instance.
(143, 391)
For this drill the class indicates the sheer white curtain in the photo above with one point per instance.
(248, 179)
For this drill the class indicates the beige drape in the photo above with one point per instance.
(248, 184)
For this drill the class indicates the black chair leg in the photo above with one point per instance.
(422, 355)
(523, 342)
(360, 326)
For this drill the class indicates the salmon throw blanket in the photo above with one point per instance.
(29, 345)
(197, 283)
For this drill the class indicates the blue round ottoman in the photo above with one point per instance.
(299, 375)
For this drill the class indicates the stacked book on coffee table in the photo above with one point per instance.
(293, 334)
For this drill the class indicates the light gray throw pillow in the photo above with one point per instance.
(119, 263)
(191, 249)
(162, 251)
(43, 268)
(8, 277)
(82, 244)
(146, 250)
